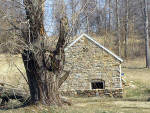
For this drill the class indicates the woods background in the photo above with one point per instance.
(118, 23)
(31, 28)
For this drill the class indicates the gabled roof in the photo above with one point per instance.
(96, 43)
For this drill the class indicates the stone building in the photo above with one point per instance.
(95, 70)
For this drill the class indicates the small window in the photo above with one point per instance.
(98, 85)
(85, 49)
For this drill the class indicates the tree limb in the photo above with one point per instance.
(63, 78)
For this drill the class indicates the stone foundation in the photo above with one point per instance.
(117, 93)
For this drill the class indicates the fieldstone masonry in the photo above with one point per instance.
(89, 63)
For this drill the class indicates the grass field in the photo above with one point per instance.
(136, 91)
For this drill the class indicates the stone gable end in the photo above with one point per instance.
(88, 63)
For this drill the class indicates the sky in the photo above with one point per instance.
(49, 21)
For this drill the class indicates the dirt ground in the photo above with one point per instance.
(136, 91)
(108, 106)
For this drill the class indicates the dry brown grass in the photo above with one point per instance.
(136, 44)
(89, 107)
(135, 70)
(9, 73)
(136, 75)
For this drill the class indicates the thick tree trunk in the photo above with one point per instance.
(44, 67)
(43, 83)
(44, 79)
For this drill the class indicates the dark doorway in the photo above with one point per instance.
(98, 85)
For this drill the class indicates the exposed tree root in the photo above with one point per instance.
(7, 94)
(66, 101)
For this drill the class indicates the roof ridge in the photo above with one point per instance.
(96, 43)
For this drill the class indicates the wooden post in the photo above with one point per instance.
(120, 76)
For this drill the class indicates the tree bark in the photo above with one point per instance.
(110, 16)
(147, 46)
(44, 67)
(117, 30)
(126, 29)
(43, 83)
(105, 14)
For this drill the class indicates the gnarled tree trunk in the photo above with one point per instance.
(44, 67)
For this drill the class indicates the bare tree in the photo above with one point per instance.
(44, 63)
(73, 6)
(146, 24)
(110, 17)
(105, 14)
(117, 28)
(44, 66)
(126, 28)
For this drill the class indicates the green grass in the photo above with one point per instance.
(139, 93)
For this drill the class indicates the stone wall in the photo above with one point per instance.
(89, 63)
(117, 93)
